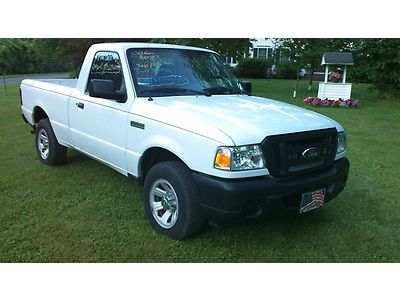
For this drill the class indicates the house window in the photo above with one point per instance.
(262, 52)
(255, 52)
(231, 60)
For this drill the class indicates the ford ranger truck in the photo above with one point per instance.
(176, 119)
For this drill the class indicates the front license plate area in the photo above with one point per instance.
(312, 200)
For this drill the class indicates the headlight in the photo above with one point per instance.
(239, 158)
(341, 143)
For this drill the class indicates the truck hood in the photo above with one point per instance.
(243, 119)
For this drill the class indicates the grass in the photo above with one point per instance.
(86, 212)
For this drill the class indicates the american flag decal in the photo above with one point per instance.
(312, 200)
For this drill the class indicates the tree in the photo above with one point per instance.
(67, 54)
(73, 51)
(7, 48)
(22, 56)
(308, 52)
(227, 48)
(378, 61)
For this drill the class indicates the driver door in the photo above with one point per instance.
(98, 125)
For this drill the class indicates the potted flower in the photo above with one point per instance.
(335, 76)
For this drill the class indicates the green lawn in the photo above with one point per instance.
(86, 212)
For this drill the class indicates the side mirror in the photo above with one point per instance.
(104, 88)
(246, 86)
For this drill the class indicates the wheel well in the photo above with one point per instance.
(152, 157)
(39, 114)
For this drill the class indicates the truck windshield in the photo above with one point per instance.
(158, 72)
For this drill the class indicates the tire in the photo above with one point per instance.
(170, 201)
(49, 151)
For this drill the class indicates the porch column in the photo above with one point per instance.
(344, 74)
(326, 73)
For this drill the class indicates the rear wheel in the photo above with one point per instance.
(170, 201)
(50, 152)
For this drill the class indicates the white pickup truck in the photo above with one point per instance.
(176, 119)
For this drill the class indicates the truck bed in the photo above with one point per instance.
(62, 86)
(51, 96)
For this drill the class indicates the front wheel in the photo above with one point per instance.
(170, 201)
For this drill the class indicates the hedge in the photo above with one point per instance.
(253, 68)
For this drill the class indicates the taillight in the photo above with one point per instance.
(20, 96)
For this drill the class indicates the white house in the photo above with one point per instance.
(264, 48)
(268, 48)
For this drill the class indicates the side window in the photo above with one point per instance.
(107, 65)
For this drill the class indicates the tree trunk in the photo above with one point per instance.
(382, 94)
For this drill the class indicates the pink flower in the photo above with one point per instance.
(314, 101)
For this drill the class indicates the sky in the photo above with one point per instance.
(206, 18)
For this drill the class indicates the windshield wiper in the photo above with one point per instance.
(223, 90)
(173, 91)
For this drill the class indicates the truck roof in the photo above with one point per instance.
(125, 46)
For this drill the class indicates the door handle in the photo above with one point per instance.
(80, 105)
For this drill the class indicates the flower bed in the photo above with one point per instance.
(314, 101)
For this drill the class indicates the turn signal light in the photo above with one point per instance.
(223, 159)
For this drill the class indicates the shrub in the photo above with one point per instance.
(286, 70)
(253, 68)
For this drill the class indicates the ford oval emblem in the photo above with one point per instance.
(311, 153)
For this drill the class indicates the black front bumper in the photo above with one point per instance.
(226, 200)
